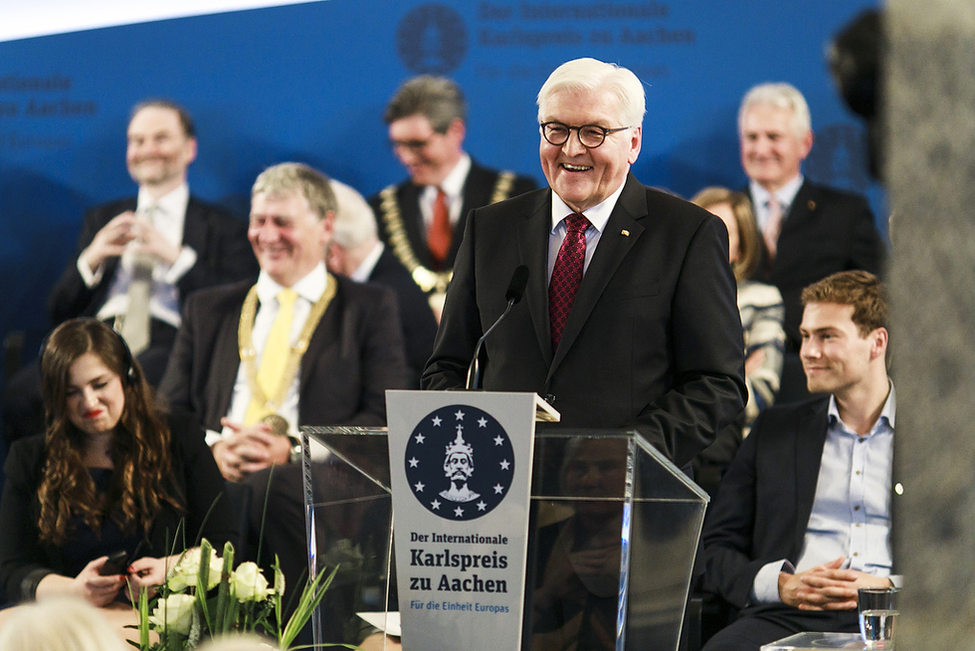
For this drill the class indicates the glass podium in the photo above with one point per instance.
(613, 535)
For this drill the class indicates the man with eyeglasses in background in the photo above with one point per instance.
(422, 219)
(630, 316)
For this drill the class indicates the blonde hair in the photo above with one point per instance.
(59, 624)
(285, 178)
(749, 247)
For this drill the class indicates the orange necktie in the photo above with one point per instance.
(439, 233)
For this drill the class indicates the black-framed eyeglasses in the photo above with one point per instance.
(590, 135)
(414, 146)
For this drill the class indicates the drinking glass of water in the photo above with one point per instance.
(878, 617)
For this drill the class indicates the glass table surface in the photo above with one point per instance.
(815, 641)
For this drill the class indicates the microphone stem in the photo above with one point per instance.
(474, 370)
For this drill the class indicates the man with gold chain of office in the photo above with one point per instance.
(422, 219)
(299, 347)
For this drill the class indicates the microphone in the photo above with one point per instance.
(516, 289)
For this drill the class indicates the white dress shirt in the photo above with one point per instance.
(784, 195)
(168, 217)
(453, 187)
(598, 216)
(309, 290)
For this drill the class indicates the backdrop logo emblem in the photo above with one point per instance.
(432, 39)
(459, 462)
(839, 158)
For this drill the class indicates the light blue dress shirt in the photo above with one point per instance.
(851, 510)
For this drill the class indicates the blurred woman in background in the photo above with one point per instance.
(762, 315)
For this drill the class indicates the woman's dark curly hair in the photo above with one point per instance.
(139, 453)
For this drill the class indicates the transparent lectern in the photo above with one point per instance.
(613, 534)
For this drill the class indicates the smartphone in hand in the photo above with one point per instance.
(116, 564)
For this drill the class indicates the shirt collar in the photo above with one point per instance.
(887, 414)
(170, 204)
(364, 270)
(785, 195)
(598, 215)
(310, 288)
(453, 185)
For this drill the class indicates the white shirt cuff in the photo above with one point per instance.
(213, 437)
(318, 451)
(90, 278)
(765, 588)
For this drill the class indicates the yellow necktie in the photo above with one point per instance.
(274, 359)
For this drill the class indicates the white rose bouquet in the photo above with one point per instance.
(201, 600)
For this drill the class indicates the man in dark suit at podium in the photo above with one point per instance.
(802, 518)
(809, 231)
(422, 219)
(639, 326)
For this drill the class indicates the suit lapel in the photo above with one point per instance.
(412, 218)
(613, 247)
(226, 359)
(810, 441)
(533, 234)
(195, 231)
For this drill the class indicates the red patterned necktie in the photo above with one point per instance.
(439, 233)
(567, 275)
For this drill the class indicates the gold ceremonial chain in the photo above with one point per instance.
(502, 189)
(248, 354)
(427, 279)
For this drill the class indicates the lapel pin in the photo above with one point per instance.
(812, 205)
(625, 233)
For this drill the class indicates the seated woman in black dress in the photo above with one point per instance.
(111, 473)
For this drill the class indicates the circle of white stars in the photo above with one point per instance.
(420, 439)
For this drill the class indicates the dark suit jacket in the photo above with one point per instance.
(654, 338)
(194, 481)
(219, 239)
(355, 354)
(763, 506)
(826, 231)
(478, 189)
(419, 324)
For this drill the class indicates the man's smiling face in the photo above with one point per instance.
(585, 177)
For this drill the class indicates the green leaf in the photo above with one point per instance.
(224, 619)
(311, 597)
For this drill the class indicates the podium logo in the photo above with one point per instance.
(459, 462)
(431, 39)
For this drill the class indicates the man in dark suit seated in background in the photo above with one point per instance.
(802, 518)
(355, 251)
(423, 218)
(300, 347)
(137, 258)
(629, 317)
(809, 230)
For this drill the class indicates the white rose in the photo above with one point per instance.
(185, 573)
(248, 583)
(174, 614)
